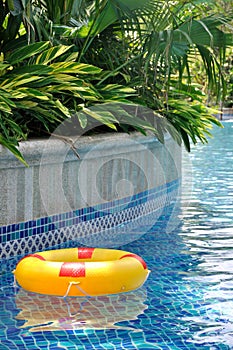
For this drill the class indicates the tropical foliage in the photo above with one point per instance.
(39, 93)
(74, 54)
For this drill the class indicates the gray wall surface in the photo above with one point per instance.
(64, 175)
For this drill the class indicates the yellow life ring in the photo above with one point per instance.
(80, 271)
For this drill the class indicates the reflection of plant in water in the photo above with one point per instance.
(51, 313)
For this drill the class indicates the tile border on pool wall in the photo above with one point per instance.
(47, 232)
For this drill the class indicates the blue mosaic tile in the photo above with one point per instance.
(112, 214)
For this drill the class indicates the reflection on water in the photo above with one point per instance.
(214, 274)
(51, 313)
(207, 232)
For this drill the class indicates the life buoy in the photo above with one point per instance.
(80, 271)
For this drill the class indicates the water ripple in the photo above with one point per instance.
(207, 232)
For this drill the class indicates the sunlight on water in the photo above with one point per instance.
(207, 232)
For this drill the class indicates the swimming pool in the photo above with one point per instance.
(187, 301)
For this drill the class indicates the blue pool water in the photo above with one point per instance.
(187, 301)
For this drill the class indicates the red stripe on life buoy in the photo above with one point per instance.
(32, 256)
(136, 257)
(73, 269)
(37, 256)
(85, 253)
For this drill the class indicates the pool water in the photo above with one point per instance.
(187, 301)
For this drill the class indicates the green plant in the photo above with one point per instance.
(41, 86)
(137, 52)
(41, 93)
(192, 119)
(154, 48)
(228, 71)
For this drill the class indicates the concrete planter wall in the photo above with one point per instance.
(70, 194)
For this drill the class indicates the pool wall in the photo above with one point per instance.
(85, 189)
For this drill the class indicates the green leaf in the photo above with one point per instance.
(35, 69)
(7, 98)
(3, 67)
(14, 83)
(82, 117)
(75, 68)
(62, 108)
(5, 107)
(26, 104)
(118, 88)
(10, 4)
(13, 149)
(24, 52)
(51, 54)
(17, 94)
(104, 117)
(29, 92)
(43, 82)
